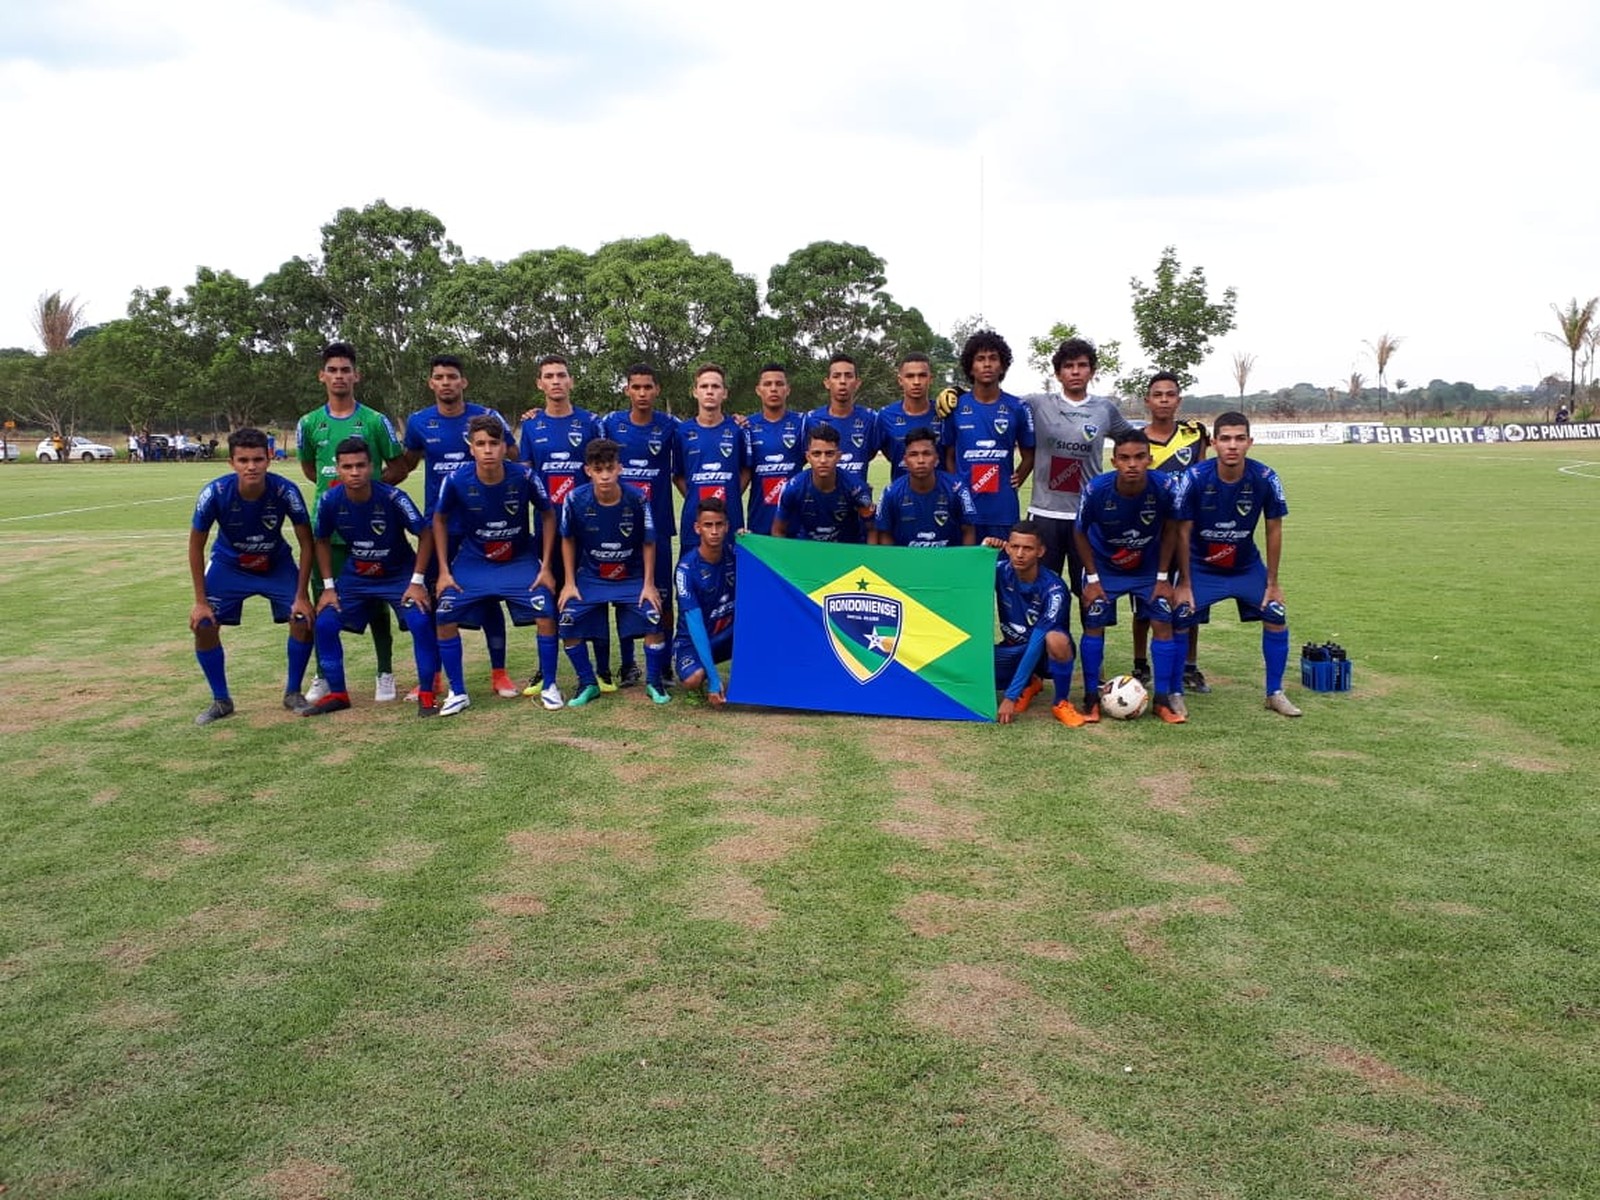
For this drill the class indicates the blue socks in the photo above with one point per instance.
(211, 662)
(330, 651)
(494, 635)
(549, 657)
(655, 658)
(1166, 662)
(450, 658)
(578, 655)
(299, 659)
(1093, 652)
(1061, 676)
(1275, 650)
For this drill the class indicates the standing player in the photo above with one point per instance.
(713, 453)
(1175, 446)
(648, 448)
(777, 446)
(822, 503)
(1031, 602)
(860, 435)
(705, 581)
(988, 436)
(1126, 540)
(319, 432)
(608, 543)
(1071, 429)
(373, 519)
(551, 443)
(1219, 504)
(250, 558)
(495, 558)
(914, 410)
(437, 436)
(925, 506)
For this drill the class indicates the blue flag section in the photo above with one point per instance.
(886, 631)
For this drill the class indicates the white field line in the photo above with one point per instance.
(67, 512)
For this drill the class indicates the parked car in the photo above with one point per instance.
(187, 448)
(79, 449)
(12, 452)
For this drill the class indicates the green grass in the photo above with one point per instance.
(632, 951)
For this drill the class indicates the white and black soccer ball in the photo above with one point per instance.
(1124, 698)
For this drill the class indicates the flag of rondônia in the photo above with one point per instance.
(883, 630)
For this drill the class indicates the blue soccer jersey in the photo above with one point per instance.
(860, 437)
(706, 588)
(812, 515)
(608, 541)
(938, 517)
(1025, 607)
(777, 453)
(893, 425)
(711, 462)
(1225, 515)
(249, 532)
(649, 460)
(985, 439)
(374, 530)
(1125, 531)
(553, 446)
(442, 442)
(493, 518)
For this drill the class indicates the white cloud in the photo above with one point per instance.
(1351, 171)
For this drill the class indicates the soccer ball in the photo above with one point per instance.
(1124, 698)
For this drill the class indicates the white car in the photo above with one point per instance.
(79, 449)
(13, 452)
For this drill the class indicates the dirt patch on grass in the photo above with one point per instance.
(730, 897)
(1409, 1176)
(1053, 951)
(515, 904)
(300, 1179)
(105, 797)
(401, 857)
(343, 756)
(768, 839)
(1246, 845)
(1075, 1136)
(135, 1015)
(358, 903)
(551, 846)
(458, 769)
(933, 914)
(1201, 873)
(918, 762)
(660, 1009)
(987, 1005)
(200, 847)
(1374, 1072)
(1537, 766)
(1139, 925)
(128, 954)
(1441, 908)
(934, 826)
(207, 797)
(1343, 755)
(1169, 793)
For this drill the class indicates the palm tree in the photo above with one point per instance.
(1573, 324)
(1243, 364)
(56, 320)
(1383, 350)
(1354, 391)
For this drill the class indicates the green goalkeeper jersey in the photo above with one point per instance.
(320, 433)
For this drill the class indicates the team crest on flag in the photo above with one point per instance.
(864, 631)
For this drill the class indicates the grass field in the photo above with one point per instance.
(678, 952)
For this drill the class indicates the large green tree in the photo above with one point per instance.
(1175, 320)
(1041, 349)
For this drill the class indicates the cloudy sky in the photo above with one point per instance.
(1351, 169)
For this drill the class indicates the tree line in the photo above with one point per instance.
(225, 352)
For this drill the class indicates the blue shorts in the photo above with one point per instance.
(1245, 588)
(481, 585)
(227, 588)
(591, 619)
(1116, 586)
(356, 597)
(685, 662)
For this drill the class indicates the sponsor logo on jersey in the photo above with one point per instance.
(1065, 474)
(864, 631)
(256, 564)
(985, 478)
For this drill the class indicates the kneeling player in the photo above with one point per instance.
(1219, 504)
(250, 558)
(608, 545)
(1032, 605)
(823, 503)
(704, 583)
(490, 503)
(1124, 532)
(925, 507)
(372, 519)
